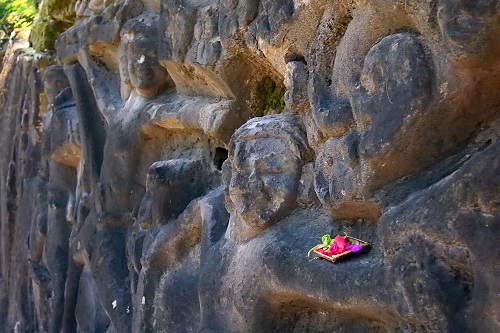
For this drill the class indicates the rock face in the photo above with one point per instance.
(171, 171)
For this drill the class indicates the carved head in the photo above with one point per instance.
(470, 29)
(139, 66)
(162, 201)
(393, 89)
(266, 156)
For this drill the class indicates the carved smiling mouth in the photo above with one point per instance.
(145, 75)
(257, 211)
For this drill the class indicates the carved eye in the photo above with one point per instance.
(441, 11)
(329, 161)
(371, 81)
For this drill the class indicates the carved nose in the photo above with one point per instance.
(239, 183)
(254, 181)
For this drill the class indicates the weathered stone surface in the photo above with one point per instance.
(438, 245)
(171, 172)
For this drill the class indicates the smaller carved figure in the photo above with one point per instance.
(166, 231)
(60, 163)
(339, 180)
(118, 195)
(393, 91)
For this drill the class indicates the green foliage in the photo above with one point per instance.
(269, 97)
(325, 245)
(15, 14)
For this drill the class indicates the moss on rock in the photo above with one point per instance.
(62, 10)
(269, 97)
(54, 17)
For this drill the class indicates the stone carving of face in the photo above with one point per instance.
(264, 180)
(395, 88)
(470, 29)
(266, 166)
(139, 64)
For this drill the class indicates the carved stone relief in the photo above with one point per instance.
(193, 151)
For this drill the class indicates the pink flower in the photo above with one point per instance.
(338, 245)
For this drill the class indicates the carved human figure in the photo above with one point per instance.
(258, 177)
(143, 81)
(140, 70)
(398, 114)
(262, 179)
(394, 89)
(339, 180)
(163, 220)
(61, 132)
(62, 155)
(263, 266)
(434, 265)
(350, 167)
(393, 103)
(148, 123)
(119, 192)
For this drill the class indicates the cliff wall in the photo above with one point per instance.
(165, 166)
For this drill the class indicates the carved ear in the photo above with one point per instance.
(226, 178)
(306, 195)
(125, 85)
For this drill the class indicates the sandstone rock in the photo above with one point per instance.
(171, 172)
